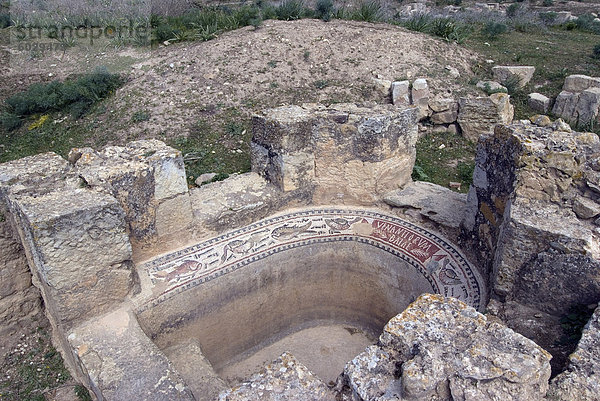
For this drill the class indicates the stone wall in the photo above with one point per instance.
(19, 299)
(343, 154)
(532, 217)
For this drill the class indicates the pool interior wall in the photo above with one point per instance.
(349, 285)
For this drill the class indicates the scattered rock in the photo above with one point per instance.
(401, 92)
(561, 125)
(538, 102)
(586, 208)
(284, 379)
(452, 71)
(434, 202)
(441, 349)
(579, 101)
(420, 97)
(383, 86)
(522, 74)
(490, 87)
(541, 120)
(478, 116)
(205, 178)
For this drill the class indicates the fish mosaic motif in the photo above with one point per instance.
(446, 269)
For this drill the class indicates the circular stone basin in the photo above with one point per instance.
(307, 280)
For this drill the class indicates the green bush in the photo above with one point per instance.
(324, 9)
(548, 18)
(10, 122)
(494, 29)
(596, 51)
(5, 21)
(368, 11)
(512, 10)
(450, 30)
(418, 23)
(548, 3)
(290, 10)
(74, 96)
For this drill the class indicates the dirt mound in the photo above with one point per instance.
(279, 63)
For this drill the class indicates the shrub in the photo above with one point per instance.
(450, 30)
(548, 3)
(418, 23)
(548, 18)
(596, 51)
(512, 84)
(368, 11)
(493, 29)
(5, 21)
(324, 9)
(290, 10)
(10, 122)
(74, 96)
(512, 10)
(419, 174)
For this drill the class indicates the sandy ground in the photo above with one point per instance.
(324, 350)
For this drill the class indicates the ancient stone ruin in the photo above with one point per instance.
(325, 273)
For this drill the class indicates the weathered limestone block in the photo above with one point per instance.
(340, 154)
(40, 173)
(434, 202)
(581, 380)
(538, 102)
(529, 228)
(447, 116)
(579, 83)
(478, 116)
(78, 243)
(401, 93)
(283, 379)
(579, 101)
(142, 175)
(522, 74)
(491, 86)
(524, 220)
(234, 202)
(196, 370)
(18, 298)
(382, 86)
(141, 373)
(441, 349)
(439, 104)
(420, 97)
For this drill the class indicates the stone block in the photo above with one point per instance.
(420, 97)
(339, 154)
(284, 379)
(490, 87)
(401, 93)
(42, 173)
(478, 116)
(434, 202)
(141, 373)
(447, 350)
(438, 104)
(141, 175)
(173, 215)
(588, 106)
(382, 86)
(238, 200)
(586, 208)
(579, 83)
(448, 116)
(538, 102)
(521, 74)
(78, 244)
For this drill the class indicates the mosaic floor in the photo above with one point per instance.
(448, 272)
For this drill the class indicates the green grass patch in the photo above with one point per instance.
(554, 52)
(453, 162)
(74, 96)
(216, 148)
(34, 367)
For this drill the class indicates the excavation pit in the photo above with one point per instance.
(320, 283)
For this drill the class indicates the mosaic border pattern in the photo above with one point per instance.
(438, 261)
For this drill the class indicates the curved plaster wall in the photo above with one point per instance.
(244, 289)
